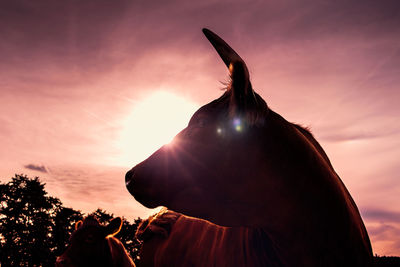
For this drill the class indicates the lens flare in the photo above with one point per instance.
(237, 124)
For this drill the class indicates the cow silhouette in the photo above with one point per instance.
(93, 244)
(240, 164)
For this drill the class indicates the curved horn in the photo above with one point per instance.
(227, 54)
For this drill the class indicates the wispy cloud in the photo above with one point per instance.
(381, 215)
(340, 135)
(383, 237)
(39, 168)
(88, 187)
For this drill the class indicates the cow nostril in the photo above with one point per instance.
(128, 177)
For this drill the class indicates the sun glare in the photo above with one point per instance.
(153, 122)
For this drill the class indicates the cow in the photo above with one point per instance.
(93, 244)
(240, 164)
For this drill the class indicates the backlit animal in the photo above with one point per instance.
(240, 164)
(93, 244)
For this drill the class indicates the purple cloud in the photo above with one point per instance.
(39, 168)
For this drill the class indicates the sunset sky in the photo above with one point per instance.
(90, 88)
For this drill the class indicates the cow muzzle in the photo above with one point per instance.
(142, 188)
(134, 187)
(128, 179)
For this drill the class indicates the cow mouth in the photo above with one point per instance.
(145, 201)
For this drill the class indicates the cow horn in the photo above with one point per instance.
(227, 54)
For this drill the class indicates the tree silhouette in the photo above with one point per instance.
(62, 228)
(35, 228)
(25, 222)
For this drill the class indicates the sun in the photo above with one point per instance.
(153, 122)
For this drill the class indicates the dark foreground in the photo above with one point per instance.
(386, 261)
(23, 227)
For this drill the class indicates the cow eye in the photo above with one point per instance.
(196, 124)
(201, 122)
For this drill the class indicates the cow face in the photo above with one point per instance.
(88, 244)
(231, 162)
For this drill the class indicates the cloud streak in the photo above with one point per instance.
(382, 215)
(88, 187)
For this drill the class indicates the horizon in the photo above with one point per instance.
(77, 84)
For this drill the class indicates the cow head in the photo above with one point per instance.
(234, 162)
(89, 245)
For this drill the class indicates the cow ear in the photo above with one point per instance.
(242, 94)
(237, 68)
(227, 54)
(243, 101)
(114, 226)
(78, 224)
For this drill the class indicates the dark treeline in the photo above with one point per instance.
(35, 228)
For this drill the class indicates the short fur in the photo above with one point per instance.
(172, 239)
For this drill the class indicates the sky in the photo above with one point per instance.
(90, 88)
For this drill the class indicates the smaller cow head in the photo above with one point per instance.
(90, 244)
